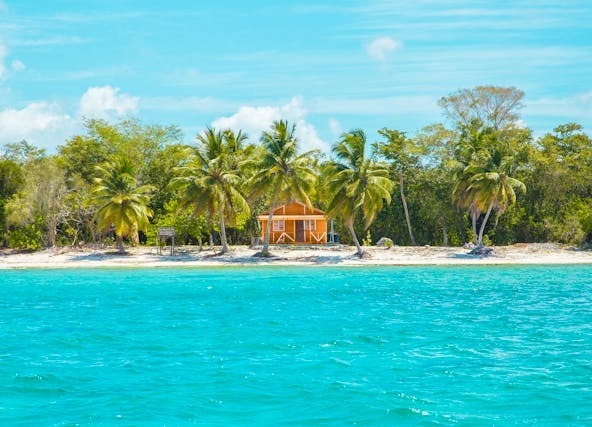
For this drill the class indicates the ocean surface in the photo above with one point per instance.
(496, 345)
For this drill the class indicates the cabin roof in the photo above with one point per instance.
(307, 213)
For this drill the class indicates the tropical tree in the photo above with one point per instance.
(485, 183)
(11, 179)
(123, 204)
(211, 181)
(434, 182)
(403, 154)
(356, 182)
(483, 156)
(41, 199)
(281, 171)
(560, 187)
(494, 106)
(471, 149)
(463, 198)
(492, 189)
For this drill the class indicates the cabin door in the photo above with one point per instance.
(300, 231)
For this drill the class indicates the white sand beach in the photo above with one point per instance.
(341, 255)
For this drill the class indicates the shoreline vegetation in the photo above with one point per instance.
(338, 255)
(485, 180)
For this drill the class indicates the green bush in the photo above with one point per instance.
(567, 230)
(27, 238)
(368, 240)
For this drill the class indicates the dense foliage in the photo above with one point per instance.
(481, 177)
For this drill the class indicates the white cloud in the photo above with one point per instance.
(380, 106)
(335, 127)
(308, 137)
(255, 120)
(380, 48)
(17, 65)
(49, 41)
(106, 103)
(40, 123)
(545, 113)
(575, 107)
(521, 124)
(8, 70)
(192, 103)
(48, 125)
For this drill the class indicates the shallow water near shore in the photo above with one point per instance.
(493, 345)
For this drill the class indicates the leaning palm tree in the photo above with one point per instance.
(211, 181)
(485, 185)
(473, 152)
(356, 182)
(464, 198)
(281, 171)
(493, 190)
(123, 204)
(401, 151)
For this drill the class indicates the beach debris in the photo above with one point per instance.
(482, 251)
(364, 255)
(384, 242)
(264, 254)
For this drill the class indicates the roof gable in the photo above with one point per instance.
(295, 208)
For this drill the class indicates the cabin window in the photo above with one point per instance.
(310, 224)
(279, 225)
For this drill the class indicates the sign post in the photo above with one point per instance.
(162, 235)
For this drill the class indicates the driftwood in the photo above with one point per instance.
(482, 251)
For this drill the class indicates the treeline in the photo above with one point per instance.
(484, 178)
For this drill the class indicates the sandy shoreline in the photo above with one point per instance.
(328, 256)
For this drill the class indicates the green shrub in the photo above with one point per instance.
(567, 230)
(368, 240)
(26, 238)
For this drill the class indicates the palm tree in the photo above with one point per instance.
(492, 190)
(472, 149)
(485, 184)
(463, 199)
(281, 171)
(400, 150)
(122, 203)
(211, 181)
(356, 182)
(234, 141)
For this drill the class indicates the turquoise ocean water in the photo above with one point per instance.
(297, 346)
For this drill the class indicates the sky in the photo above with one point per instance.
(326, 66)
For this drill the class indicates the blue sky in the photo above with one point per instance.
(326, 66)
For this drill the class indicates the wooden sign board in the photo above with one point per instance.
(166, 232)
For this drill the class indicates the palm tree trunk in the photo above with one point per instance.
(265, 250)
(474, 216)
(350, 226)
(444, 231)
(90, 225)
(404, 201)
(482, 229)
(119, 241)
(222, 230)
(135, 236)
(52, 225)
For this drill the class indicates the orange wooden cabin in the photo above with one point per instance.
(295, 223)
